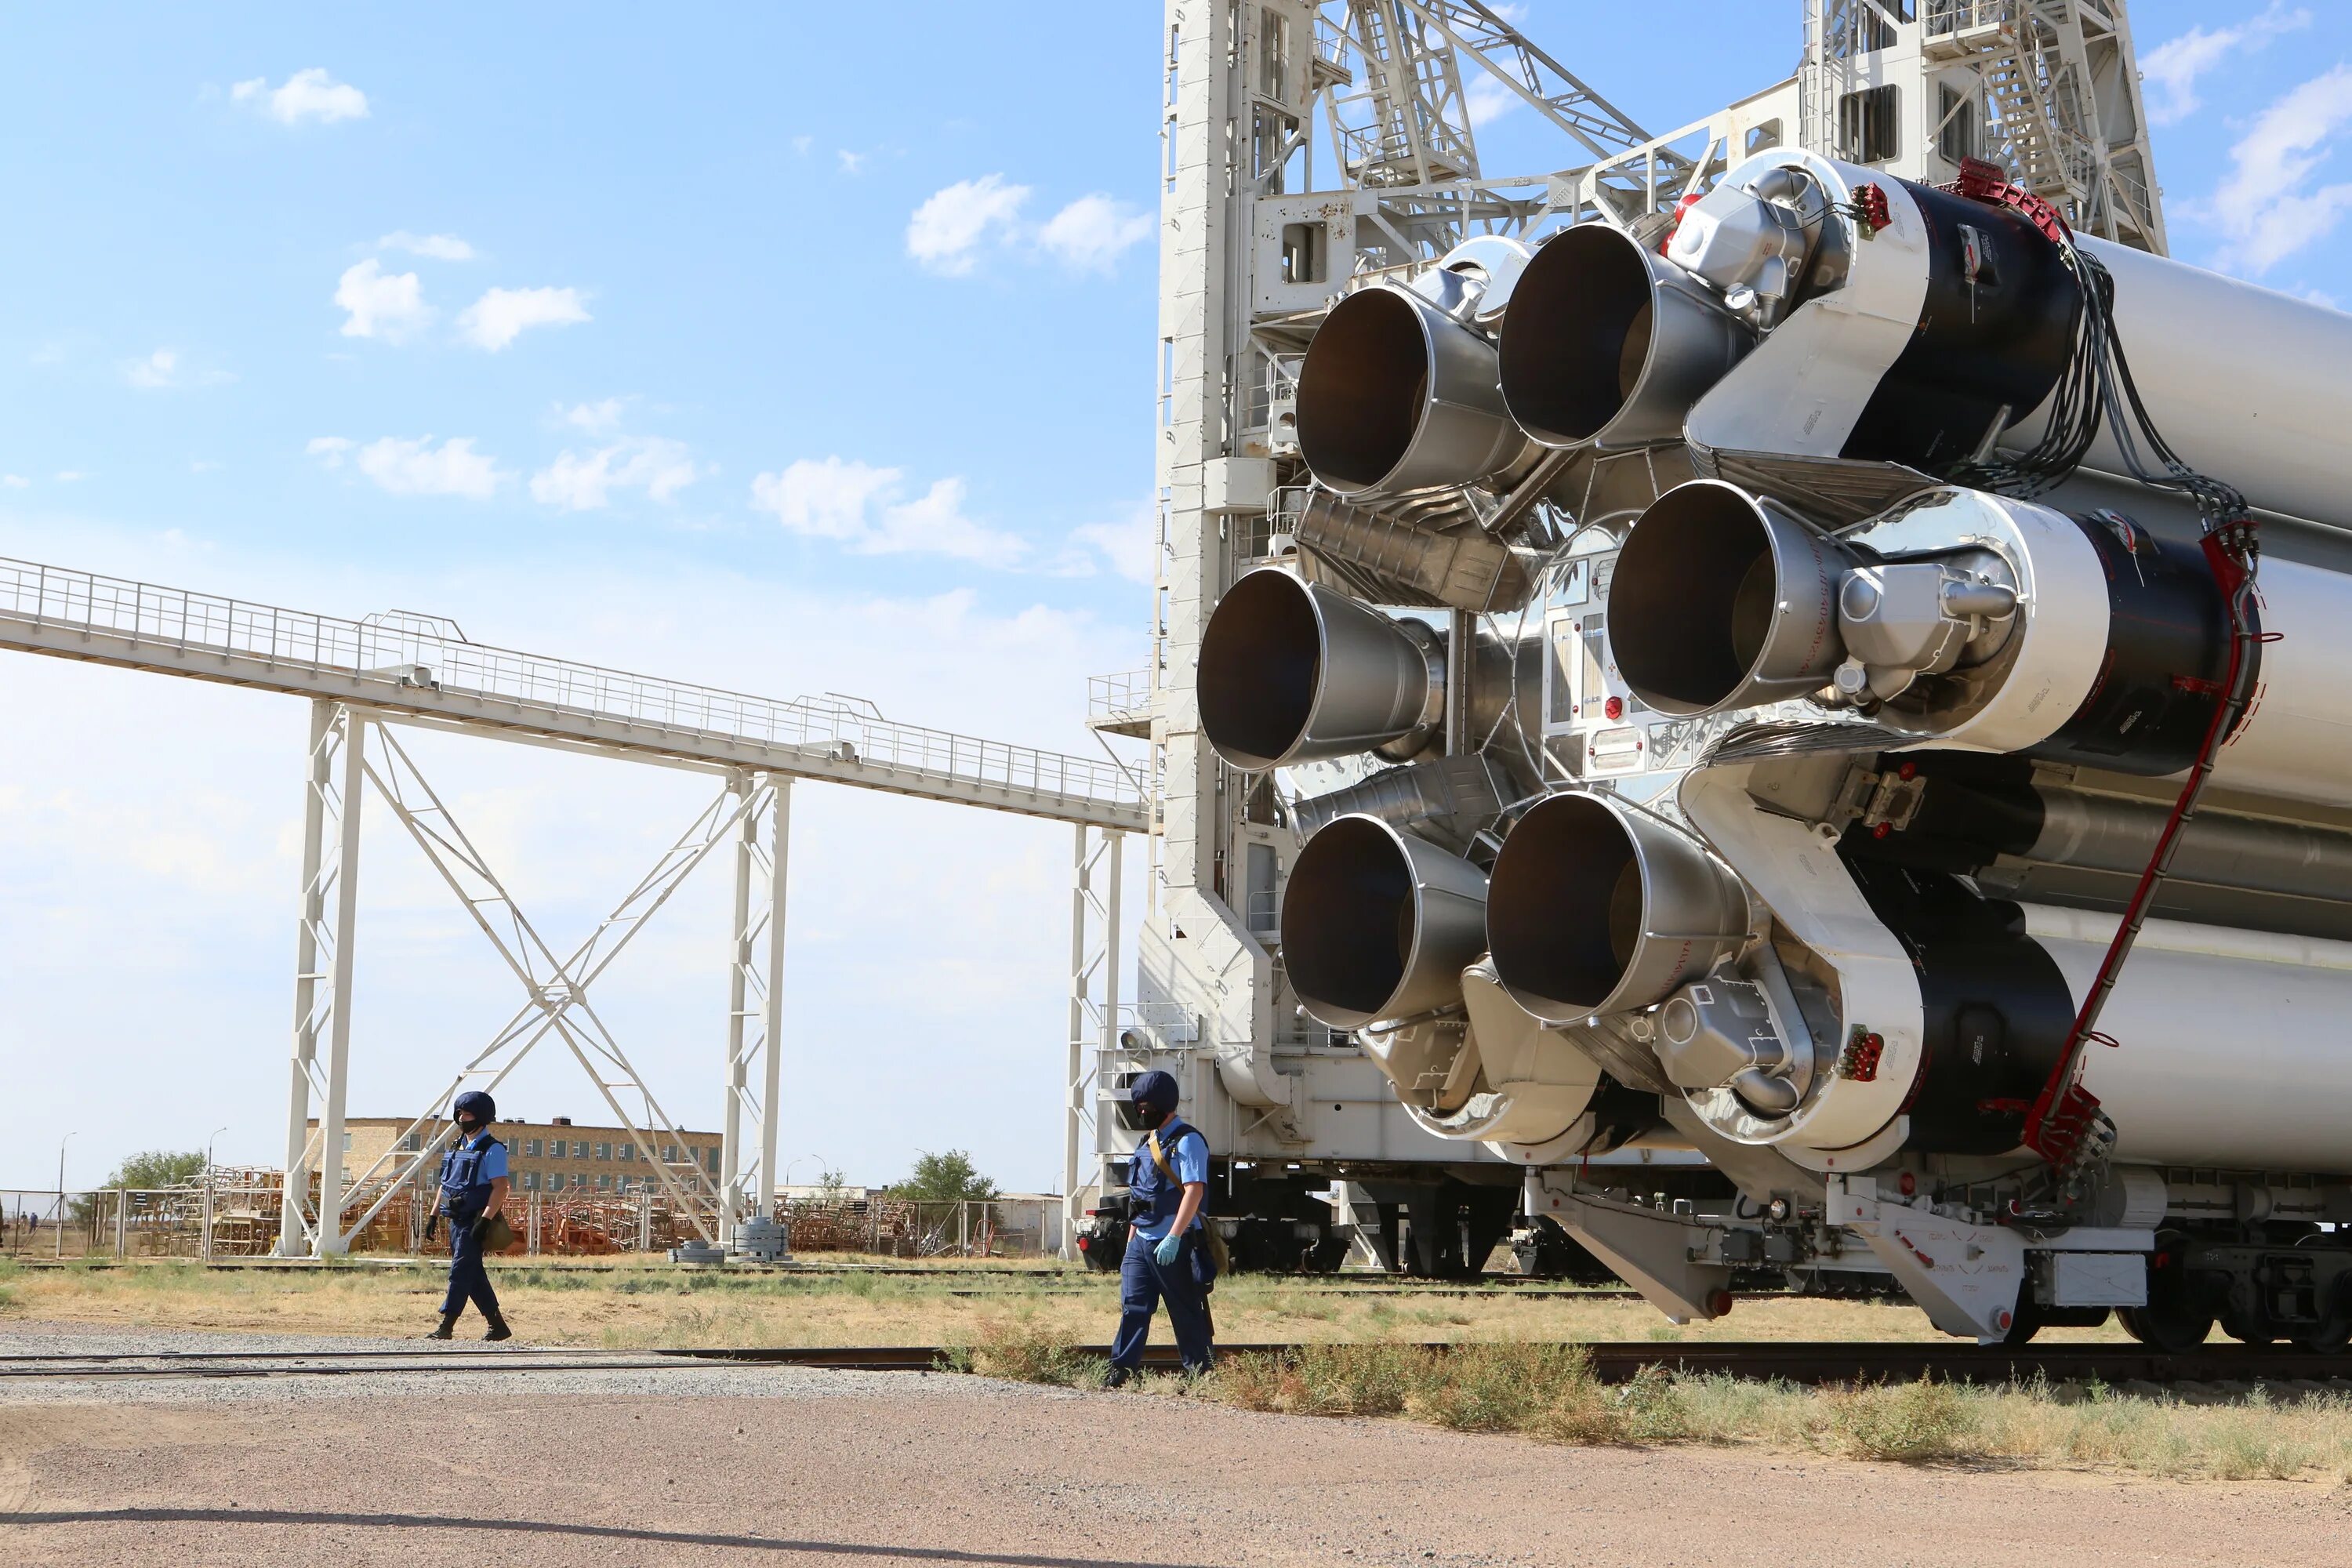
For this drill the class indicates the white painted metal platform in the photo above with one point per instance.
(422, 668)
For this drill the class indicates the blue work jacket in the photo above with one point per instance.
(467, 1169)
(1154, 1198)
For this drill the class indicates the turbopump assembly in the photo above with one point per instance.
(1924, 797)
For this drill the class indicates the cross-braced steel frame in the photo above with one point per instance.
(352, 746)
(1094, 1003)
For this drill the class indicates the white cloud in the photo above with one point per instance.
(851, 162)
(1487, 99)
(14, 481)
(501, 315)
(437, 247)
(1091, 232)
(70, 476)
(596, 418)
(380, 304)
(415, 467)
(307, 95)
(826, 499)
(934, 524)
(2175, 65)
(154, 371)
(2263, 206)
(950, 226)
(659, 466)
(1130, 545)
(867, 508)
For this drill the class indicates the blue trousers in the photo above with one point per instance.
(1143, 1284)
(468, 1280)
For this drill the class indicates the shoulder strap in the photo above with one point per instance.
(1159, 1159)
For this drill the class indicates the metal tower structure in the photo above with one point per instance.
(2047, 88)
(369, 679)
(1254, 251)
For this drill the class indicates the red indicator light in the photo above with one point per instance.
(1614, 708)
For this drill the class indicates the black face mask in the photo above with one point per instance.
(466, 1128)
(1150, 1116)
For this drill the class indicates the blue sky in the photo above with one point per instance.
(749, 346)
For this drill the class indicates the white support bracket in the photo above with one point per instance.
(1660, 1254)
(1966, 1277)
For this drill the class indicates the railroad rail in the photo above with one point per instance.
(1814, 1362)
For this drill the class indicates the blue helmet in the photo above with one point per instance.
(484, 1107)
(1156, 1089)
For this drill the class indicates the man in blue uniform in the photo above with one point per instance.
(473, 1192)
(1167, 1254)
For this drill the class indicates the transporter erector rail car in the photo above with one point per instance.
(1922, 785)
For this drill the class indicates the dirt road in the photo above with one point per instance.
(776, 1467)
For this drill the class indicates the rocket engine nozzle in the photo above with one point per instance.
(1396, 395)
(1724, 600)
(1605, 341)
(1377, 925)
(1293, 672)
(1595, 908)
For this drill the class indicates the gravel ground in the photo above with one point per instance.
(785, 1467)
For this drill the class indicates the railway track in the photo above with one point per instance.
(967, 1280)
(1819, 1361)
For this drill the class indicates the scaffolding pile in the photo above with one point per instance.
(902, 1227)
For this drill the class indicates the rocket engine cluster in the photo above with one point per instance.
(1794, 628)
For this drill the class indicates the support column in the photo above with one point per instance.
(747, 1155)
(1073, 1078)
(738, 978)
(771, 1108)
(318, 781)
(1094, 1024)
(329, 1239)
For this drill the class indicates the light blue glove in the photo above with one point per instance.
(1170, 1245)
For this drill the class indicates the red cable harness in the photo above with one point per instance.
(2065, 1114)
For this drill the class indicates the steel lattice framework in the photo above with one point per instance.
(365, 680)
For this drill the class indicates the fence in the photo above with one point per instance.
(237, 1216)
(900, 1227)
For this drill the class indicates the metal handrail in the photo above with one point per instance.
(180, 620)
(1115, 696)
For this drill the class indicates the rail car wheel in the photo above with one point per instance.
(2169, 1328)
(2250, 1331)
(2328, 1336)
(2177, 1316)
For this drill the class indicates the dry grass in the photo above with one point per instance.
(1547, 1392)
(635, 1304)
(1512, 1375)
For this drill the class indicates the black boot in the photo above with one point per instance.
(448, 1322)
(498, 1330)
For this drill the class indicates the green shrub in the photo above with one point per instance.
(1908, 1421)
